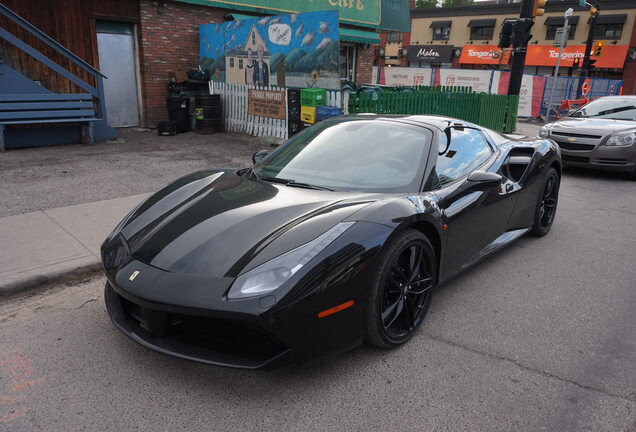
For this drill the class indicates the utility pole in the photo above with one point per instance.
(528, 8)
(585, 70)
(562, 43)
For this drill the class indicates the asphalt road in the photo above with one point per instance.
(540, 336)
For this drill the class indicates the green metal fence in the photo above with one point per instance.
(498, 112)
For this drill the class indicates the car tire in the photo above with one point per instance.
(547, 201)
(401, 291)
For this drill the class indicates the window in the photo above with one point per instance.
(551, 32)
(347, 62)
(240, 63)
(482, 29)
(481, 33)
(231, 62)
(609, 31)
(354, 155)
(394, 37)
(467, 151)
(253, 38)
(441, 33)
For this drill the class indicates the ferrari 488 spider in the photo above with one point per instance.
(337, 237)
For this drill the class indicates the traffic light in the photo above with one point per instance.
(591, 64)
(505, 38)
(597, 50)
(593, 11)
(521, 32)
(576, 63)
(538, 7)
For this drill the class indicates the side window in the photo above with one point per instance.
(467, 151)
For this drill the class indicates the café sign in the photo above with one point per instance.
(430, 53)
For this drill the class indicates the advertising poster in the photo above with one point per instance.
(479, 80)
(530, 94)
(297, 50)
(404, 76)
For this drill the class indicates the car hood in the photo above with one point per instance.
(599, 126)
(217, 222)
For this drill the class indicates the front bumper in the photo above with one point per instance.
(608, 158)
(590, 152)
(190, 335)
(187, 316)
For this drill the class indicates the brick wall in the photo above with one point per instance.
(364, 65)
(169, 42)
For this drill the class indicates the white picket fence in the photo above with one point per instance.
(236, 118)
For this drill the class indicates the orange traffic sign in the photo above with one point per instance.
(585, 88)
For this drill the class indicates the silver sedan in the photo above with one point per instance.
(601, 134)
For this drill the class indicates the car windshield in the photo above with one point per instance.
(608, 108)
(361, 155)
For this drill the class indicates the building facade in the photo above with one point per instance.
(467, 37)
(162, 38)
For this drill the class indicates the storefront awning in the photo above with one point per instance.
(546, 55)
(238, 17)
(441, 24)
(610, 19)
(559, 21)
(359, 36)
(482, 22)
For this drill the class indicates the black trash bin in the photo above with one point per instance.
(178, 112)
(209, 113)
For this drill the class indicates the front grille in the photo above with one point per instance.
(612, 161)
(577, 159)
(577, 135)
(575, 146)
(228, 337)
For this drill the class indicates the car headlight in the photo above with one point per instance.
(271, 275)
(623, 139)
(544, 132)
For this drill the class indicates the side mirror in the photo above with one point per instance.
(476, 181)
(259, 156)
(482, 180)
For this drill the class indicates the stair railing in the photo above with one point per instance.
(97, 93)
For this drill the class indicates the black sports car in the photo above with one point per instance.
(335, 238)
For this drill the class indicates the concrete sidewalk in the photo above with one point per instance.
(42, 246)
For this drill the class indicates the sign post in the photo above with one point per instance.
(564, 37)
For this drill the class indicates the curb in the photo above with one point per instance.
(43, 280)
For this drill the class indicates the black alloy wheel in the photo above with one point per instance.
(402, 293)
(546, 204)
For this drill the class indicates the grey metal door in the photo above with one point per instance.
(117, 61)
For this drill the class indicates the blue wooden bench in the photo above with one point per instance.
(47, 108)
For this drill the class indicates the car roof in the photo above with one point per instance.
(439, 122)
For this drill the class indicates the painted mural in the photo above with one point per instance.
(297, 50)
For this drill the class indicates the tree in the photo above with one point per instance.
(426, 4)
(455, 3)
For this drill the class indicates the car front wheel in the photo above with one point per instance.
(402, 289)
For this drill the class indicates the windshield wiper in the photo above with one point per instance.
(292, 182)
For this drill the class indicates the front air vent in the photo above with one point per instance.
(576, 159)
(575, 146)
(577, 135)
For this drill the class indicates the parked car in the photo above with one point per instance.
(337, 237)
(600, 134)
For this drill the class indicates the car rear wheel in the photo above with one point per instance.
(546, 204)
(401, 293)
